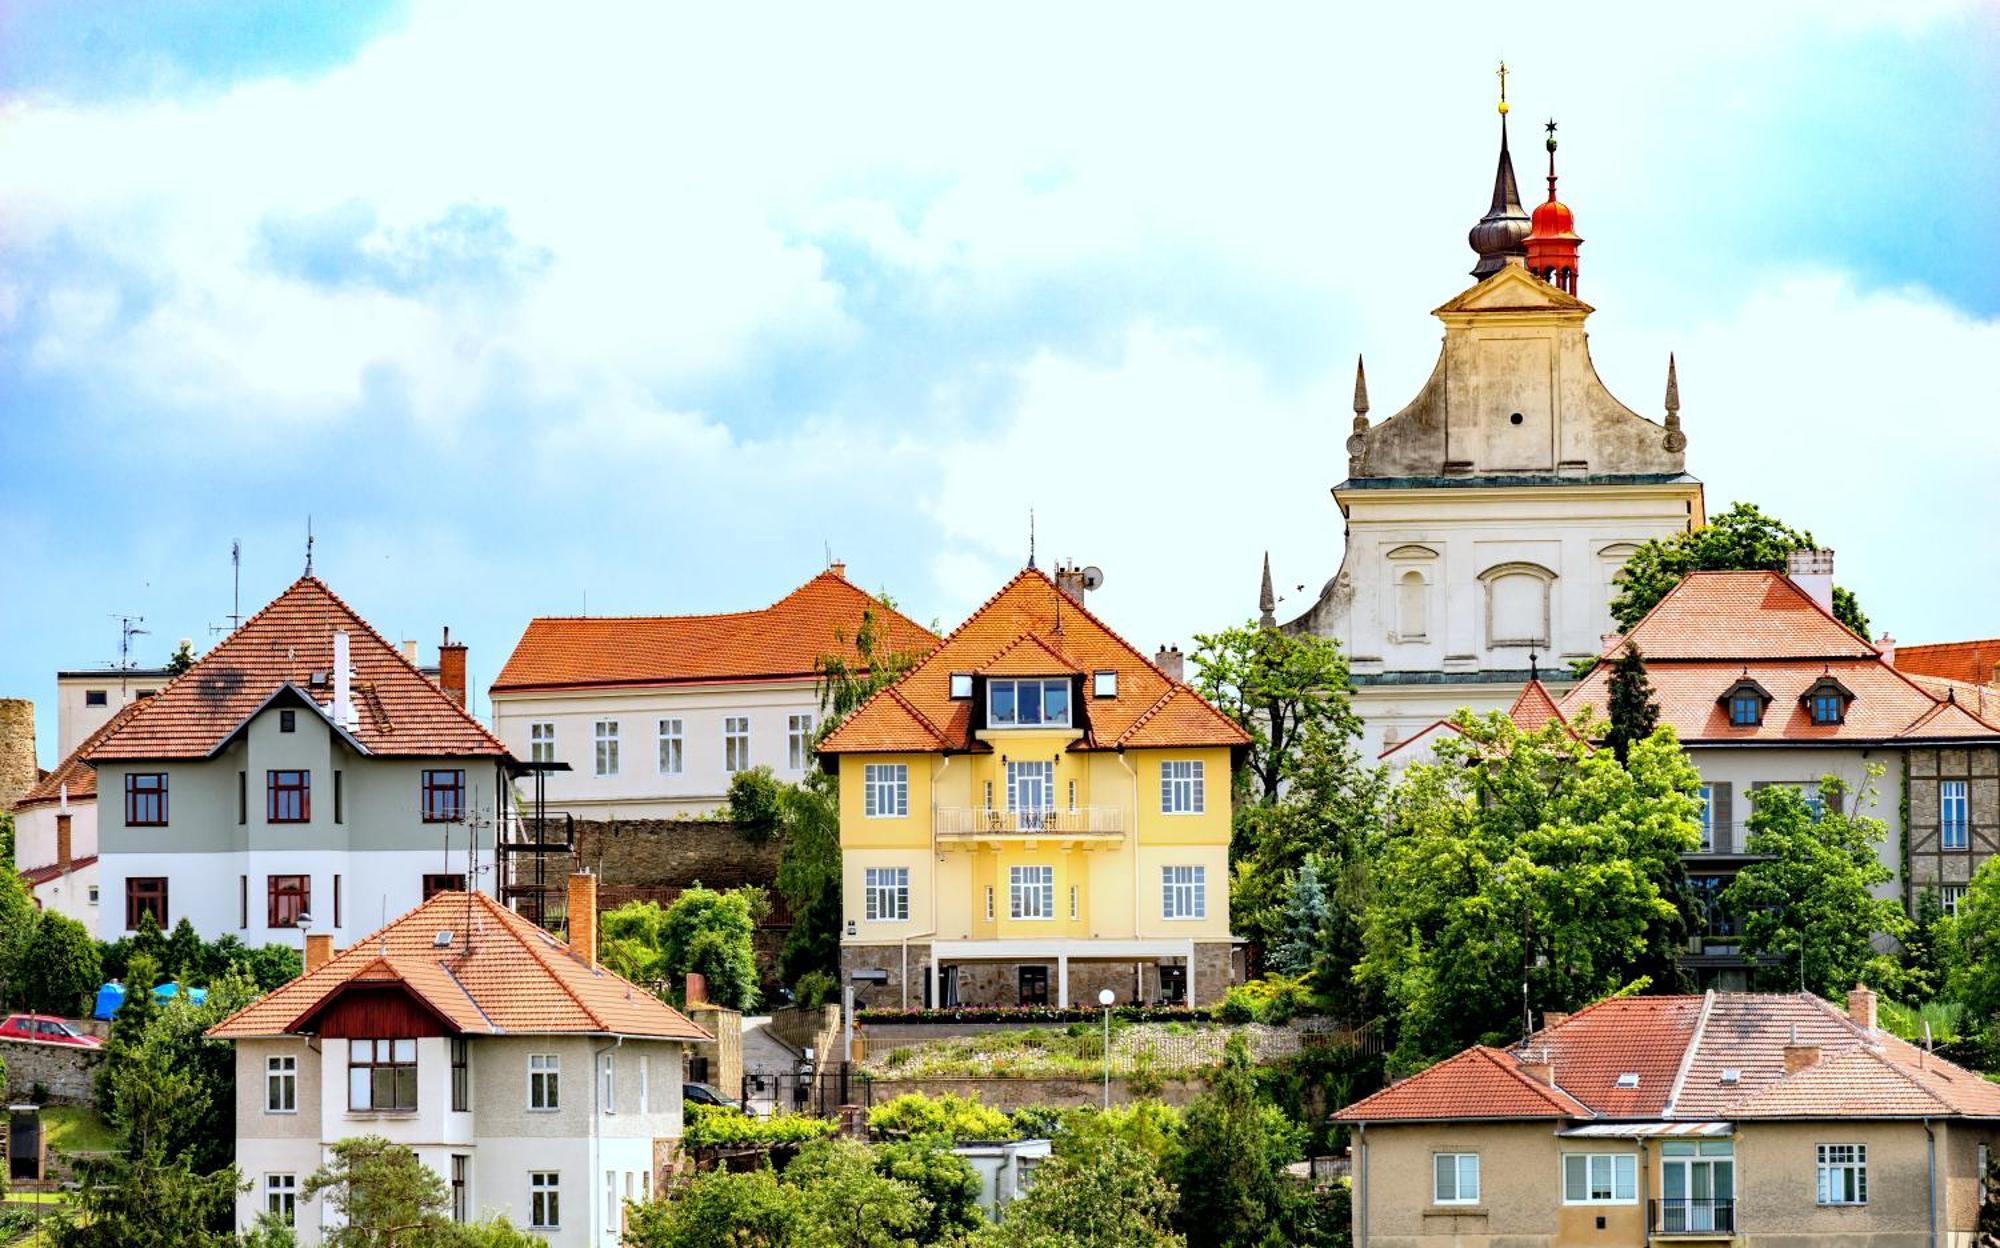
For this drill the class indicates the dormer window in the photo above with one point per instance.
(961, 685)
(1745, 700)
(1027, 703)
(1827, 700)
(1104, 685)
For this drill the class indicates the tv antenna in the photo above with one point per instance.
(235, 616)
(309, 545)
(128, 628)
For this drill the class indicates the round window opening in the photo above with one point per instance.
(1516, 418)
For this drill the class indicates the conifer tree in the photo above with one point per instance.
(1633, 710)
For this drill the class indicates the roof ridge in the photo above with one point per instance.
(540, 956)
(1546, 1091)
(1688, 1054)
(409, 667)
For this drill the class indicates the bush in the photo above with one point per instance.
(719, 1126)
(954, 1117)
(756, 803)
(1273, 999)
(1037, 1014)
(718, 1209)
(814, 990)
(1036, 1122)
(947, 1182)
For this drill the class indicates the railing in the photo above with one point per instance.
(975, 821)
(1692, 1216)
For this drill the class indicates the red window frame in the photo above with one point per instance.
(280, 787)
(143, 893)
(443, 882)
(286, 897)
(443, 795)
(145, 799)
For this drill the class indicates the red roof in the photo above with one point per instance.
(1974, 662)
(289, 644)
(784, 641)
(498, 974)
(1535, 709)
(1032, 628)
(1477, 1083)
(1746, 615)
(38, 876)
(74, 773)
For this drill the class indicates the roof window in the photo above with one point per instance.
(961, 684)
(1732, 1075)
(1628, 1080)
(1826, 700)
(1104, 685)
(1745, 701)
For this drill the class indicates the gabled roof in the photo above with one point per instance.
(783, 641)
(1868, 1083)
(38, 876)
(398, 711)
(1149, 709)
(498, 975)
(1479, 1083)
(1974, 662)
(75, 774)
(1743, 615)
(1536, 708)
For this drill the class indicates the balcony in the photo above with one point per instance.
(1692, 1218)
(1083, 823)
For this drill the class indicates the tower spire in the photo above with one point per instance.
(1500, 233)
(1267, 601)
(1357, 440)
(1675, 441)
(1552, 239)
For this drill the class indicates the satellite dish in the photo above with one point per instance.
(1093, 577)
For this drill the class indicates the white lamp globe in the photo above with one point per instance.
(1106, 997)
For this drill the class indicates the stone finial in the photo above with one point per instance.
(1356, 440)
(1675, 441)
(1267, 601)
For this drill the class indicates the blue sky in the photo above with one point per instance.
(650, 307)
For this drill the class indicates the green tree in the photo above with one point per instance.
(845, 1202)
(1740, 539)
(1281, 688)
(1517, 858)
(1972, 943)
(1109, 1197)
(1926, 960)
(1634, 712)
(710, 933)
(181, 659)
(757, 803)
(1811, 903)
(183, 960)
(809, 878)
(17, 917)
(1153, 1128)
(382, 1195)
(946, 1181)
(142, 1199)
(718, 1209)
(1232, 1185)
(629, 941)
(845, 684)
(59, 966)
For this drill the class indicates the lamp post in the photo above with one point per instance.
(1105, 998)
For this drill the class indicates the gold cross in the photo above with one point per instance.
(1503, 82)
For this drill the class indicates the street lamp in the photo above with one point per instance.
(1105, 998)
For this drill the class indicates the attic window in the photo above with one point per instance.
(288, 721)
(1826, 699)
(1104, 685)
(1745, 701)
(961, 684)
(1732, 1075)
(1628, 1080)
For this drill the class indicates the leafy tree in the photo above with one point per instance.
(1812, 903)
(1232, 1185)
(1972, 941)
(1524, 857)
(629, 941)
(181, 659)
(1926, 956)
(1282, 689)
(59, 966)
(17, 916)
(947, 1182)
(1306, 915)
(877, 664)
(847, 1203)
(718, 1209)
(709, 933)
(809, 878)
(1109, 1197)
(756, 803)
(1633, 711)
(1149, 1126)
(948, 1116)
(183, 960)
(1740, 539)
(382, 1195)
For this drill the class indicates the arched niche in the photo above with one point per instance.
(1517, 604)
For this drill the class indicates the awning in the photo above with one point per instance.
(1648, 1130)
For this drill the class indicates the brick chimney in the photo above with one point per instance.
(582, 916)
(1887, 645)
(1554, 1018)
(319, 950)
(1812, 571)
(1799, 1056)
(838, 568)
(64, 846)
(1170, 661)
(451, 668)
(1861, 1006)
(1069, 579)
(1536, 1065)
(697, 988)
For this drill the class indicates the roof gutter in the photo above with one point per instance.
(1930, 1183)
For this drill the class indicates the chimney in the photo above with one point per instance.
(1536, 1065)
(451, 668)
(582, 916)
(1812, 571)
(1169, 660)
(1069, 579)
(63, 845)
(1887, 645)
(838, 568)
(1800, 1056)
(410, 651)
(319, 950)
(697, 988)
(1554, 1018)
(1861, 1006)
(1609, 642)
(343, 681)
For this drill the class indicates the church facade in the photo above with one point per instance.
(1486, 521)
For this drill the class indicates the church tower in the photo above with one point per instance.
(1486, 521)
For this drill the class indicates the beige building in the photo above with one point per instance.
(87, 699)
(1765, 1121)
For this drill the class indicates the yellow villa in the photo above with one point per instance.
(1034, 814)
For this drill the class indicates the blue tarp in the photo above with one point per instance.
(111, 996)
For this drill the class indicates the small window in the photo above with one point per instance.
(1184, 892)
(1600, 1178)
(798, 741)
(1031, 892)
(673, 747)
(1181, 787)
(286, 897)
(443, 882)
(288, 721)
(544, 1200)
(281, 1197)
(1843, 1174)
(336, 901)
(607, 747)
(93, 894)
(885, 790)
(989, 905)
(443, 795)
(287, 797)
(542, 742)
(1455, 1178)
(1104, 685)
(96, 697)
(1732, 1075)
(1073, 901)
(1628, 1080)
(1707, 793)
(607, 1070)
(382, 1076)
(339, 799)
(461, 1178)
(544, 1081)
(461, 1074)
(961, 684)
(1951, 897)
(1746, 710)
(145, 799)
(1954, 815)
(146, 693)
(281, 1085)
(242, 797)
(1827, 708)
(886, 892)
(735, 743)
(145, 894)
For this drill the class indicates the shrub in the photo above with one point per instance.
(1036, 1122)
(954, 1117)
(815, 989)
(719, 1126)
(1273, 999)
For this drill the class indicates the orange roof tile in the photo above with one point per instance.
(500, 974)
(1478, 1083)
(1745, 615)
(289, 643)
(783, 641)
(75, 774)
(1869, 1083)
(1149, 709)
(1535, 709)
(1974, 662)
(1618, 1037)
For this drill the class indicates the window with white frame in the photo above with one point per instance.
(1600, 1178)
(885, 790)
(1951, 897)
(607, 747)
(281, 1085)
(887, 893)
(542, 742)
(736, 743)
(1181, 787)
(544, 1200)
(281, 1197)
(645, 1084)
(1455, 1178)
(1954, 822)
(1031, 787)
(1184, 892)
(1027, 703)
(607, 1082)
(1843, 1174)
(673, 747)
(1031, 892)
(798, 741)
(1707, 817)
(544, 1081)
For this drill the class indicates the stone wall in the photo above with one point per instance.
(818, 1030)
(1012, 1094)
(62, 1073)
(998, 983)
(18, 770)
(1931, 864)
(724, 1056)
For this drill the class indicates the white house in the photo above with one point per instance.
(55, 831)
(304, 771)
(654, 714)
(537, 1084)
(87, 698)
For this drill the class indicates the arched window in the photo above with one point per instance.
(1517, 604)
(1412, 593)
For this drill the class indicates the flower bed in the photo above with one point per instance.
(1029, 1014)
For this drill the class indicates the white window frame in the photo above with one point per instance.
(673, 746)
(281, 1197)
(1184, 892)
(544, 1200)
(542, 741)
(1838, 1162)
(1041, 686)
(1104, 684)
(544, 1083)
(1628, 1180)
(1458, 1169)
(885, 790)
(605, 736)
(645, 1083)
(281, 1075)
(607, 1081)
(1042, 773)
(1031, 882)
(1950, 898)
(1182, 787)
(798, 741)
(735, 743)
(886, 893)
(1954, 793)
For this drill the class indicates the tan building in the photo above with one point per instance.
(1768, 1121)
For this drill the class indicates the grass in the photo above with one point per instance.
(77, 1129)
(1077, 1051)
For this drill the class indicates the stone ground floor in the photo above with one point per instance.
(942, 974)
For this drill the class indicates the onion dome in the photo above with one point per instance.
(1502, 233)
(1552, 237)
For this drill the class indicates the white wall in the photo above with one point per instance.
(1744, 767)
(76, 719)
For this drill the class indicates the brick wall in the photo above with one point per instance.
(725, 1054)
(818, 1030)
(64, 1071)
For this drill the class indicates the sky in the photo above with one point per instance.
(647, 308)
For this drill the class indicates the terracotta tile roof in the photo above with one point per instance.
(1479, 1083)
(1868, 1083)
(783, 641)
(1029, 655)
(289, 643)
(1747, 1033)
(1149, 709)
(1745, 615)
(1536, 708)
(500, 974)
(1619, 1037)
(76, 771)
(38, 876)
(1974, 662)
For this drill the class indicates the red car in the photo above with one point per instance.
(46, 1028)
